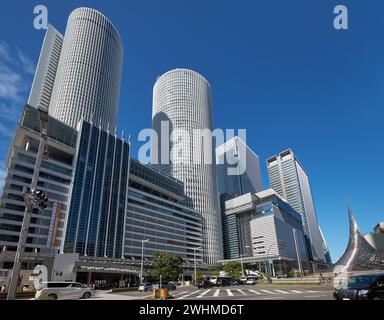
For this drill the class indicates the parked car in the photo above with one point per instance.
(251, 280)
(361, 287)
(204, 284)
(145, 287)
(235, 282)
(64, 290)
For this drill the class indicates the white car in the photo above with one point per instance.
(64, 290)
(250, 281)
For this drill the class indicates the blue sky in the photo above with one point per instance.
(277, 68)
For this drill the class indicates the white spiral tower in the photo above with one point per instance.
(183, 97)
(88, 77)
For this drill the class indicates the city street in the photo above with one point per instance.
(242, 292)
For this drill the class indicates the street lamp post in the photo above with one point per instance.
(194, 262)
(273, 243)
(31, 201)
(241, 261)
(142, 260)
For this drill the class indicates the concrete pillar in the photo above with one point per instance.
(89, 277)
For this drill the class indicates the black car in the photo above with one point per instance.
(224, 282)
(165, 285)
(361, 287)
(204, 284)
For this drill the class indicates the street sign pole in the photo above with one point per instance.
(43, 115)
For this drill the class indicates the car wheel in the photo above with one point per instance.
(86, 295)
(52, 296)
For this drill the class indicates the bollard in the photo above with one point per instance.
(155, 294)
(164, 294)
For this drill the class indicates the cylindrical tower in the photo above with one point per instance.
(182, 98)
(88, 78)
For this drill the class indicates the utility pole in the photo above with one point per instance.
(142, 260)
(194, 260)
(31, 202)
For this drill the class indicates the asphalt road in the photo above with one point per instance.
(242, 292)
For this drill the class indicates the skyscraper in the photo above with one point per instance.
(289, 179)
(96, 216)
(45, 74)
(237, 155)
(182, 98)
(87, 83)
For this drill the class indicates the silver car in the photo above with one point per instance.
(64, 290)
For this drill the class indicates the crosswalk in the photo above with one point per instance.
(199, 294)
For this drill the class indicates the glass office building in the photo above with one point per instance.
(264, 227)
(156, 211)
(289, 179)
(238, 168)
(95, 224)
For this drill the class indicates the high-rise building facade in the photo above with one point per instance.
(45, 74)
(156, 212)
(87, 83)
(96, 216)
(263, 228)
(46, 226)
(182, 99)
(235, 155)
(289, 179)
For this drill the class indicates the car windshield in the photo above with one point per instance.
(361, 282)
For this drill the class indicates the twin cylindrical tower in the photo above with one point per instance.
(182, 100)
(88, 77)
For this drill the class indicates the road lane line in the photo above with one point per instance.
(203, 294)
(229, 292)
(296, 291)
(216, 294)
(267, 291)
(310, 291)
(274, 298)
(179, 293)
(241, 291)
(254, 291)
(318, 296)
(281, 291)
(187, 295)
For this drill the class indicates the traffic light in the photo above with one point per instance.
(41, 199)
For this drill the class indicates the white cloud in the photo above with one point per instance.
(26, 62)
(5, 52)
(12, 84)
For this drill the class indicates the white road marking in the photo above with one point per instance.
(267, 291)
(187, 295)
(203, 294)
(281, 291)
(241, 291)
(318, 296)
(310, 291)
(296, 291)
(179, 293)
(216, 294)
(273, 298)
(254, 291)
(229, 292)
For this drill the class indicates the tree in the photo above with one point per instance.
(167, 265)
(233, 269)
(199, 276)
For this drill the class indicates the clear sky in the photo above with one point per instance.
(277, 68)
